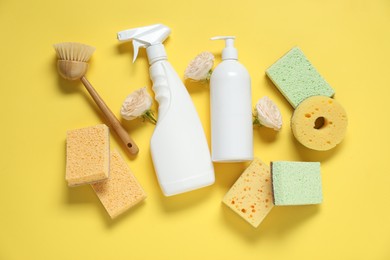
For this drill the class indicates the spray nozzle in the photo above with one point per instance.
(145, 36)
(229, 53)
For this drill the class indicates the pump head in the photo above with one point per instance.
(229, 53)
(145, 36)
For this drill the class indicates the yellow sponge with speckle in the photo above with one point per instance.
(319, 123)
(251, 195)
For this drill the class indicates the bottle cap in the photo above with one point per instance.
(229, 52)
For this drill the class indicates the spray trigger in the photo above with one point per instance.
(145, 36)
(136, 45)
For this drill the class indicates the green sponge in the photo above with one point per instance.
(296, 183)
(297, 79)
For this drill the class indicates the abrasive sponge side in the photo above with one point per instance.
(297, 79)
(296, 183)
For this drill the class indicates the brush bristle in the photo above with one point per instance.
(74, 51)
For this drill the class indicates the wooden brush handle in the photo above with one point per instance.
(130, 146)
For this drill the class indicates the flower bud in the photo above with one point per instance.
(268, 114)
(199, 68)
(136, 104)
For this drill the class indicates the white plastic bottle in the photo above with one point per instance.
(231, 108)
(179, 149)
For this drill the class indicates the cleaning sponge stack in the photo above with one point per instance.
(311, 96)
(260, 188)
(88, 161)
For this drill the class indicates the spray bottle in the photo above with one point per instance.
(231, 108)
(179, 149)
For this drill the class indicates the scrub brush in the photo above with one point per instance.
(72, 65)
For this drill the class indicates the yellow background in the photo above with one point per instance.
(348, 41)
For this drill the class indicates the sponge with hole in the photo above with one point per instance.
(297, 79)
(319, 123)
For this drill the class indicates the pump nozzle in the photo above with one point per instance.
(229, 53)
(145, 36)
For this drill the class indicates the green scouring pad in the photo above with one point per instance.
(296, 183)
(297, 79)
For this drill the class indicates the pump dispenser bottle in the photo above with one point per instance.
(231, 108)
(178, 146)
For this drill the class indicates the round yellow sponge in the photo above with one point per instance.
(319, 123)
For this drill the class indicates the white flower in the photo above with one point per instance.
(268, 114)
(138, 104)
(199, 68)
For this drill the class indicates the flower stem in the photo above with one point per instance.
(149, 115)
(209, 75)
(256, 121)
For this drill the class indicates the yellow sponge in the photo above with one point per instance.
(319, 123)
(87, 155)
(122, 190)
(251, 195)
